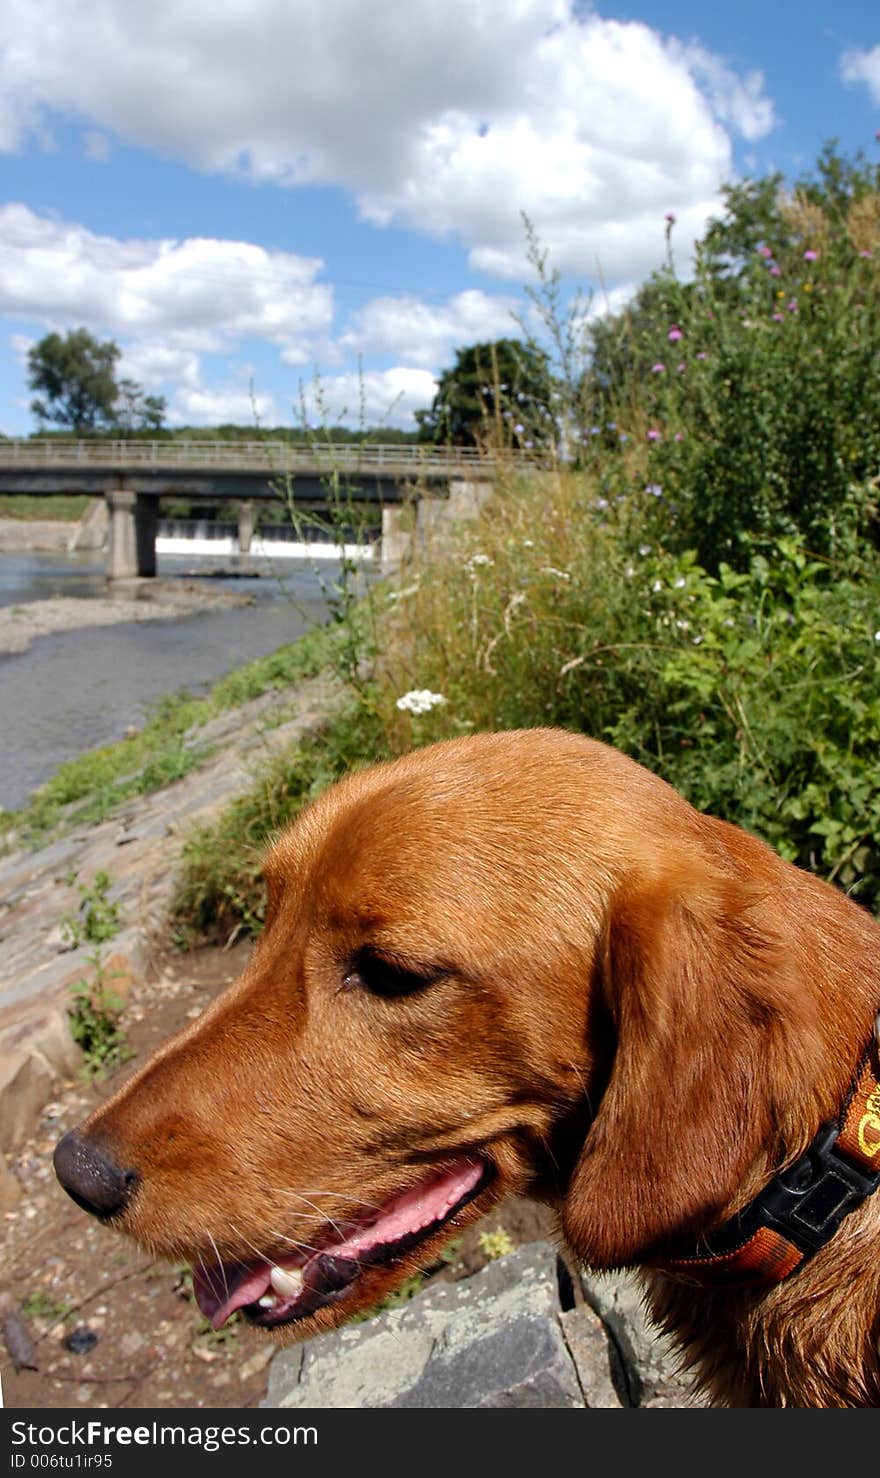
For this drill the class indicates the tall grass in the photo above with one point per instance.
(698, 584)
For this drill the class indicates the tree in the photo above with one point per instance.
(76, 376)
(499, 391)
(135, 411)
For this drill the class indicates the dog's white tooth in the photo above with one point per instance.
(288, 1283)
(267, 1301)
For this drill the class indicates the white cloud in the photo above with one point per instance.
(198, 406)
(445, 118)
(863, 66)
(382, 397)
(423, 334)
(199, 295)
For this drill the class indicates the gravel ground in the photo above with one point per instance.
(131, 600)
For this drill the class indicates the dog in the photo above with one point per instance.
(522, 963)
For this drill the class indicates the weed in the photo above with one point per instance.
(95, 1022)
(42, 1305)
(97, 918)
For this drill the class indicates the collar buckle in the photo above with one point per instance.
(808, 1201)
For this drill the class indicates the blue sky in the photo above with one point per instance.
(249, 195)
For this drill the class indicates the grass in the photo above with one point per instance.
(63, 507)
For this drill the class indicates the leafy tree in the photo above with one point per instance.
(499, 391)
(135, 411)
(75, 375)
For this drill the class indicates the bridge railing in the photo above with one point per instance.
(276, 458)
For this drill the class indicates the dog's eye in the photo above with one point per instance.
(382, 976)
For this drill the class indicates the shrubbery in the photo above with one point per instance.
(699, 585)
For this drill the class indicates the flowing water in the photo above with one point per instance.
(82, 688)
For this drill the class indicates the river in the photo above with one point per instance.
(82, 688)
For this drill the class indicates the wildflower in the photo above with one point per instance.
(528, 445)
(519, 428)
(595, 431)
(629, 572)
(865, 254)
(653, 434)
(645, 549)
(679, 436)
(612, 425)
(557, 574)
(680, 583)
(680, 366)
(778, 317)
(697, 640)
(670, 214)
(528, 543)
(808, 287)
(654, 489)
(765, 251)
(476, 560)
(658, 369)
(702, 356)
(624, 436)
(419, 700)
(775, 271)
(657, 586)
(877, 635)
(674, 334)
(792, 306)
(811, 256)
(601, 504)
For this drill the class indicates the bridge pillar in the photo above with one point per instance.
(246, 526)
(397, 534)
(134, 519)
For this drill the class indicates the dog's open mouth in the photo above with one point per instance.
(277, 1291)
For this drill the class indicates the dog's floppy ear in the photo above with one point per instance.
(709, 1035)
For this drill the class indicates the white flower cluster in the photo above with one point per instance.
(420, 700)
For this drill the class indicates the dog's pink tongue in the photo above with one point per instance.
(225, 1287)
(426, 1203)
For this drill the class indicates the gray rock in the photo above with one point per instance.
(649, 1359)
(595, 1357)
(491, 1340)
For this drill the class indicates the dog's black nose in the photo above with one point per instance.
(90, 1176)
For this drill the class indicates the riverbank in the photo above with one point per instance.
(126, 600)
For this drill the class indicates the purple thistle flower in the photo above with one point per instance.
(701, 355)
(811, 256)
(775, 271)
(865, 254)
(670, 214)
(792, 306)
(653, 434)
(778, 317)
(658, 369)
(765, 251)
(680, 366)
(674, 334)
(679, 436)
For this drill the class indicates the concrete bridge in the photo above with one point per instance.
(133, 476)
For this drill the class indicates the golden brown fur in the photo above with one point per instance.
(633, 1011)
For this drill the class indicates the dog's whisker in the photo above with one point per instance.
(219, 1264)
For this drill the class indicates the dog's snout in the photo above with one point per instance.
(91, 1176)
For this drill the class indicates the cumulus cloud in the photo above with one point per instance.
(863, 66)
(199, 294)
(424, 334)
(200, 406)
(383, 397)
(445, 118)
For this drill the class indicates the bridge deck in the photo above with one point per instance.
(273, 458)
